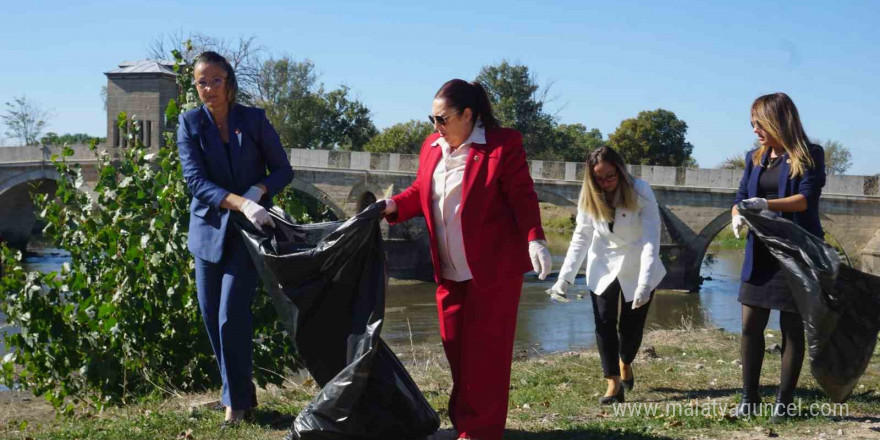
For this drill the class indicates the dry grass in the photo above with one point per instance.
(552, 397)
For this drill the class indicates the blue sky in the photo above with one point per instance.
(705, 61)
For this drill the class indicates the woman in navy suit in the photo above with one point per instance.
(785, 175)
(225, 149)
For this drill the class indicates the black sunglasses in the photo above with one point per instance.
(440, 120)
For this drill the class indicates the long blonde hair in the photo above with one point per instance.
(777, 115)
(592, 198)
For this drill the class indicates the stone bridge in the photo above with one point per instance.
(694, 203)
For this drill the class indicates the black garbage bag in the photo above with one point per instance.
(840, 306)
(327, 281)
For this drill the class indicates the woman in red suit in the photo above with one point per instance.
(474, 189)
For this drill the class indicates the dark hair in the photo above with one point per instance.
(210, 57)
(460, 94)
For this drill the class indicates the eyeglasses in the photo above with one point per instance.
(607, 179)
(440, 120)
(214, 83)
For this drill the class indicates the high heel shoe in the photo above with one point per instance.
(617, 397)
(782, 410)
(748, 406)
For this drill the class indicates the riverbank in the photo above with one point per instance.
(688, 371)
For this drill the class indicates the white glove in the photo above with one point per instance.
(643, 295)
(541, 260)
(254, 193)
(559, 288)
(390, 206)
(737, 223)
(256, 214)
(755, 203)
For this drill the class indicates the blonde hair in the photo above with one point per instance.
(592, 198)
(777, 115)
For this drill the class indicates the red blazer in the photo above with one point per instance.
(499, 212)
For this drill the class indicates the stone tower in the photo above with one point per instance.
(142, 89)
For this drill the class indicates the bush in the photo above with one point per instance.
(122, 319)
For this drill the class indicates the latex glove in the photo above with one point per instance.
(257, 215)
(254, 193)
(557, 292)
(643, 295)
(541, 260)
(559, 288)
(390, 206)
(737, 224)
(754, 204)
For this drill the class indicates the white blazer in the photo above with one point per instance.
(630, 254)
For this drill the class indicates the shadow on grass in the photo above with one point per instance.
(868, 397)
(581, 433)
(272, 419)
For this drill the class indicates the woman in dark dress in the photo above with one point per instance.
(785, 175)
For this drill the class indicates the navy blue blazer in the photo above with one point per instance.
(809, 185)
(210, 175)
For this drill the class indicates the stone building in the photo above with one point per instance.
(142, 89)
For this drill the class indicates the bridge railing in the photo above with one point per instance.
(42, 153)
(540, 169)
(569, 171)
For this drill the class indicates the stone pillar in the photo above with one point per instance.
(871, 256)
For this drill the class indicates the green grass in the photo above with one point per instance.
(552, 397)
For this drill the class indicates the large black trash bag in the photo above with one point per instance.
(840, 306)
(328, 281)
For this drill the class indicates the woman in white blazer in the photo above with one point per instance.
(618, 233)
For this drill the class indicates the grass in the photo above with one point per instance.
(556, 218)
(552, 397)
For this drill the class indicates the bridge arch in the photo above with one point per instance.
(17, 219)
(47, 173)
(321, 196)
(554, 198)
(722, 221)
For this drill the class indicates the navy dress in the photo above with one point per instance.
(767, 287)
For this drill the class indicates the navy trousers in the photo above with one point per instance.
(226, 291)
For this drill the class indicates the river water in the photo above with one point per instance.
(542, 325)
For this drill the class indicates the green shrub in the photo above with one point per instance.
(121, 320)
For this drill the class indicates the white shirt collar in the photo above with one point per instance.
(478, 136)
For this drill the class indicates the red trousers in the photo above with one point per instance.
(477, 326)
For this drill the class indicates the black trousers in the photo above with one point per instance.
(617, 341)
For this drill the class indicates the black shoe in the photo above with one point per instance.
(619, 397)
(748, 406)
(781, 410)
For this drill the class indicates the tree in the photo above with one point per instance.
(306, 116)
(653, 138)
(403, 137)
(25, 120)
(518, 102)
(735, 162)
(347, 123)
(68, 139)
(243, 53)
(573, 142)
(838, 158)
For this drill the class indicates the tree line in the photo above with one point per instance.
(309, 115)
